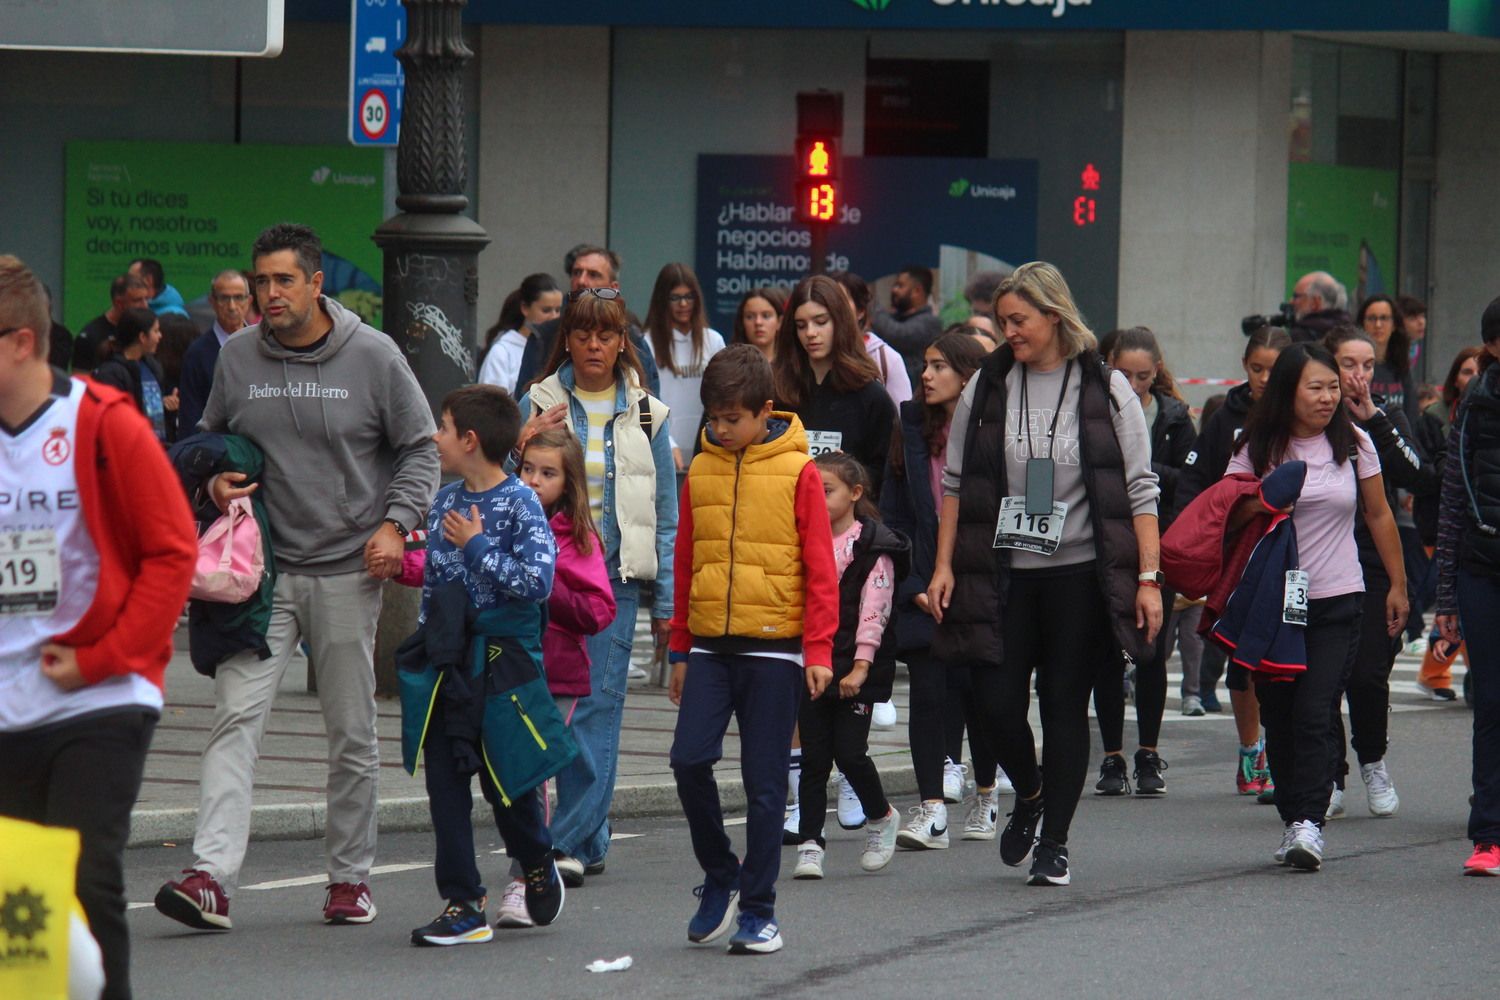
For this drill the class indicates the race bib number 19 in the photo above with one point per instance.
(29, 572)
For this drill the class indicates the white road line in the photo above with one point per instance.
(292, 883)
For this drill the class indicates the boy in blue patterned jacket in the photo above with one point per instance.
(488, 533)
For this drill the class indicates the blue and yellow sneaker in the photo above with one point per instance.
(461, 923)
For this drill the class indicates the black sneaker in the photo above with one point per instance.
(1112, 780)
(462, 922)
(544, 893)
(593, 868)
(1049, 865)
(1148, 769)
(1020, 833)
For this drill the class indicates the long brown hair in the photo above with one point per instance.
(589, 312)
(1450, 384)
(1140, 338)
(964, 353)
(575, 495)
(659, 318)
(852, 368)
(771, 293)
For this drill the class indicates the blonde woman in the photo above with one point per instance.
(1047, 549)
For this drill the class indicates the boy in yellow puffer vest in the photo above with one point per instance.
(756, 611)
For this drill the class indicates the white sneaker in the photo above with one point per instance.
(1288, 836)
(636, 673)
(1192, 706)
(791, 830)
(1379, 789)
(880, 843)
(1335, 804)
(928, 829)
(809, 861)
(513, 907)
(1002, 783)
(983, 814)
(851, 813)
(1306, 849)
(883, 716)
(953, 780)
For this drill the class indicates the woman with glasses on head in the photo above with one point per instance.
(593, 386)
(681, 342)
(1047, 550)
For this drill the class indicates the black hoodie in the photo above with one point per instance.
(1206, 463)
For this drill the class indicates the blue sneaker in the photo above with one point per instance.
(715, 912)
(461, 922)
(756, 936)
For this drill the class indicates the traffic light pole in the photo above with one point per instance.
(818, 251)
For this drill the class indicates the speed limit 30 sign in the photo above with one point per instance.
(374, 115)
(377, 28)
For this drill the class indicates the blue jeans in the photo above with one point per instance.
(764, 695)
(580, 827)
(1478, 596)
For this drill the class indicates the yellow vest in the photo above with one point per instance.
(37, 867)
(747, 554)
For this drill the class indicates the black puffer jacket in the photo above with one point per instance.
(875, 540)
(1402, 465)
(1172, 441)
(970, 629)
(906, 505)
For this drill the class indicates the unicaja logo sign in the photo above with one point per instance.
(871, 4)
(958, 187)
(1059, 7)
(321, 175)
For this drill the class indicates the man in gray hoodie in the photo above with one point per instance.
(349, 470)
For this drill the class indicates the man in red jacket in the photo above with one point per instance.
(97, 548)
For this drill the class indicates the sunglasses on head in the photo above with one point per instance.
(607, 294)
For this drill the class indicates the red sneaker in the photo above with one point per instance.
(197, 901)
(1247, 779)
(1484, 861)
(348, 903)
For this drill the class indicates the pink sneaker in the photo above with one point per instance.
(348, 903)
(513, 912)
(1484, 861)
(197, 901)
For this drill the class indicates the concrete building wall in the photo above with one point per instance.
(1466, 218)
(543, 162)
(1203, 205)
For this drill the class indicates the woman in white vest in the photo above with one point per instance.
(594, 386)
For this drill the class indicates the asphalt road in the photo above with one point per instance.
(1175, 896)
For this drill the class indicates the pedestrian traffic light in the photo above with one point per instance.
(820, 126)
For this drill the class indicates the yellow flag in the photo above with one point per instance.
(38, 865)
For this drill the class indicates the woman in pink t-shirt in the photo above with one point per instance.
(1300, 419)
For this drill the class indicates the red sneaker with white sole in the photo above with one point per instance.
(197, 901)
(348, 903)
(1484, 861)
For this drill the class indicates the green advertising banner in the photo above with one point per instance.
(1343, 220)
(197, 208)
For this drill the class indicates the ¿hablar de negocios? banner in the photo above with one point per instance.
(198, 207)
(1343, 220)
(956, 216)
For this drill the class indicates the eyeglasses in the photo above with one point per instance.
(606, 293)
(604, 338)
(678, 300)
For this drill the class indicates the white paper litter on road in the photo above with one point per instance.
(618, 965)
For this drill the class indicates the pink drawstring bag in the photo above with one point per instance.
(230, 560)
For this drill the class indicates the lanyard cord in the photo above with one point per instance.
(1025, 413)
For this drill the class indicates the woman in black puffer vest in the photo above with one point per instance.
(1047, 556)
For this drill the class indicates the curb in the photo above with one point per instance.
(308, 820)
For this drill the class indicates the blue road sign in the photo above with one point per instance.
(377, 29)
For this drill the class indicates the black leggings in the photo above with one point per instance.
(834, 729)
(1367, 685)
(1150, 691)
(1298, 714)
(942, 703)
(1055, 623)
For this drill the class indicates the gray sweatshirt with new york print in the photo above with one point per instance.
(346, 432)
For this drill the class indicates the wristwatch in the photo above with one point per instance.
(400, 528)
(1155, 579)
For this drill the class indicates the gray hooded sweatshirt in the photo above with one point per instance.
(346, 433)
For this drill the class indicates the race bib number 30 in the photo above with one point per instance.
(824, 442)
(29, 572)
(1040, 533)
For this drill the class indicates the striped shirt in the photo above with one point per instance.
(600, 408)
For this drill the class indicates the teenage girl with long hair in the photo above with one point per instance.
(681, 342)
(537, 301)
(758, 319)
